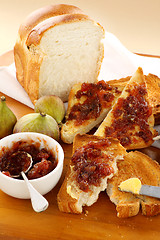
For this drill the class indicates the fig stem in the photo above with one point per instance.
(42, 114)
(3, 98)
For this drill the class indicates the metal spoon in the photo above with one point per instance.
(39, 203)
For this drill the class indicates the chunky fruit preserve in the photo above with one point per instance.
(97, 96)
(15, 160)
(91, 164)
(130, 114)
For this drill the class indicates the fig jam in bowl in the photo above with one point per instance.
(44, 174)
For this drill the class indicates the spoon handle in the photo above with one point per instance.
(39, 203)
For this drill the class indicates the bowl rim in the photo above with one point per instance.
(60, 158)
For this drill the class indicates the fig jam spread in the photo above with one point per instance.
(16, 162)
(97, 96)
(13, 161)
(91, 164)
(130, 112)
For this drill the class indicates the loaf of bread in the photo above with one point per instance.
(57, 46)
(88, 105)
(131, 119)
(93, 163)
(139, 165)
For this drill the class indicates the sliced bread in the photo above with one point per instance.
(88, 105)
(139, 165)
(93, 163)
(131, 119)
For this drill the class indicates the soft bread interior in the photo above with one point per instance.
(71, 54)
(88, 198)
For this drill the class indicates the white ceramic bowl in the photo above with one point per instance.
(17, 188)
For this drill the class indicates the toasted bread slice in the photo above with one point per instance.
(131, 119)
(115, 87)
(88, 105)
(135, 164)
(93, 163)
(153, 88)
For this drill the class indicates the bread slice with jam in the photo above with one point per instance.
(139, 165)
(93, 162)
(131, 119)
(153, 89)
(88, 105)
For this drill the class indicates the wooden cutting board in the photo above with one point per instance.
(18, 221)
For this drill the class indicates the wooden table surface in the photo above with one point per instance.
(18, 221)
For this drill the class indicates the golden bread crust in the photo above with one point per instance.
(153, 86)
(37, 32)
(27, 72)
(65, 202)
(43, 13)
(129, 209)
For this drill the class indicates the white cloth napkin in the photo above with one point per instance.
(118, 62)
(11, 87)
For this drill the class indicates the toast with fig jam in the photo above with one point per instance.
(139, 165)
(88, 105)
(153, 89)
(131, 119)
(93, 162)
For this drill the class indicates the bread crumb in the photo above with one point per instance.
(86, 213)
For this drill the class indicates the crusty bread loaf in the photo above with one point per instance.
(131, 119)
(153, 89)
(135, 164)
(73, 195)
(88, 105)
(57, 46)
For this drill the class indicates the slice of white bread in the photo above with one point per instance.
(88, 105)
(93, 163)
(57, 46)
(135, 164)
(131, 119)
(153, 89)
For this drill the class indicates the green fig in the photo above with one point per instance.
(38, 122)
(7, 119)
(51, 105)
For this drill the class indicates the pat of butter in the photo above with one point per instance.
(131, 185)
